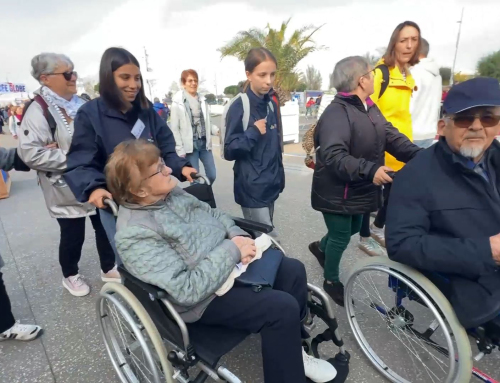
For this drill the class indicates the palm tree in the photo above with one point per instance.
(288, 53)
(312, 78)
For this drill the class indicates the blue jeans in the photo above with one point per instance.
(200, 152)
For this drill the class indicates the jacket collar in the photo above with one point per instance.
(353, 100)
(155, 206)
(112, 112)
(256, 99)
(492, 155)
(181, 97)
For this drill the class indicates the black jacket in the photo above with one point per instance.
(259, 177)
(351, 142)
(98, 130)
(440, 217)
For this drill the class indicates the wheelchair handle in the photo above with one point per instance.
(198, 176)
(112, 205)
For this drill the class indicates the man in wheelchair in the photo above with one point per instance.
(170, 239)
(444, 212)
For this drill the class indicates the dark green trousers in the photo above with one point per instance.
(340, 229)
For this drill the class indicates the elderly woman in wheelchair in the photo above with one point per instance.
(170, 239)
(444, 221)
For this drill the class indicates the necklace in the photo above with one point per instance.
(403, 72)
(63, 118)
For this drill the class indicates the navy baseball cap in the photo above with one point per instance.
(479, 91)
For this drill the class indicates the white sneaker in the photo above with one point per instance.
(378, 234)
(371, 247)
(111, 276)
(76, 285)
(22, 332)
(318, 370)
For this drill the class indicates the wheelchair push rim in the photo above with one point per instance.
(132, 341)
(433, 361)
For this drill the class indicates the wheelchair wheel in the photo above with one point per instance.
(406, 327)
(132, 340)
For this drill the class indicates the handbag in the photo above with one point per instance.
(262, 272)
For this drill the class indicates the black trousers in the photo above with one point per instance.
(72, 238)
(381, 215)
(6, 317)
(274, 313)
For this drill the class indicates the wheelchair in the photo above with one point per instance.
(147, 341)
(420, 340)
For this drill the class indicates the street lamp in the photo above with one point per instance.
(456, 48)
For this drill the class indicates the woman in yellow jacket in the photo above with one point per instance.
(393, 88)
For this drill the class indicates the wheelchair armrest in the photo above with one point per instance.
(248, 225)
(151, 289)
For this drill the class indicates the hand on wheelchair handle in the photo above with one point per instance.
(98, 196)
(383, 175)
(495, 248)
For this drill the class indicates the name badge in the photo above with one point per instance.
(138, 128)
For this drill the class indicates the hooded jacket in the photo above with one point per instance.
(395, 104)
(426, 101)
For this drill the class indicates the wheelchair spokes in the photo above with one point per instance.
(130, 342)
(390, 335)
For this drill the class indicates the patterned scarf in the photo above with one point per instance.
(70, 107)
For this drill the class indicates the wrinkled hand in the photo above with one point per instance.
(381, 177)
(53, 145)
(97, 198)
(261, 125)
(187, 171)
(495, 248)
(247, 248)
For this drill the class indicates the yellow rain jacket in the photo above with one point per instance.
(395, 105)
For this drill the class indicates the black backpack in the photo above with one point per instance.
(385, 76)
(45, 108)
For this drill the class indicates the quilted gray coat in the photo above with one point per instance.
(181, 245)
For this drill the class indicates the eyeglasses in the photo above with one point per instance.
(160, 169)
(372, 71)
(466, 120)
(67, 75)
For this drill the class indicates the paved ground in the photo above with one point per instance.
(71, 350)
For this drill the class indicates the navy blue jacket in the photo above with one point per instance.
(440, 217)
(98, 130)
(259, 176)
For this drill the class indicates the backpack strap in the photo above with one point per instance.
(45, 109)
(385, 77)
(246, 110)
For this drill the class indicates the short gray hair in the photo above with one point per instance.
(424, 47)
(347, 73)
(46, 63)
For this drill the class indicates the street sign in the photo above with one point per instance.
(9, 87)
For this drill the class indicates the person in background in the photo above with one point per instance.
(2, 121)
(10, 329)
(259, 176)
(426, 101)
(45, 151)
(401, 54)
(191, 125)
(16, 115)
(351, 137)
(159, 108)
(122, 112)
(309, 107)
(167, 110)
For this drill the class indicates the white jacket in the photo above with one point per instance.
(426, 101)
(180, 124)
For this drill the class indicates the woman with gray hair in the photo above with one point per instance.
(45, 137)
(350, 140)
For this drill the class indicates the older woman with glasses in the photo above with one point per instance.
(351, 136)
(45, 137)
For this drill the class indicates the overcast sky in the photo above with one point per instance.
(181, 34)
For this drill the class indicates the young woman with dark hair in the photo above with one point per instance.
(121, 113)
(259, 177)
(394, 103)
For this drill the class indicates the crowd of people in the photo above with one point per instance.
(119, 146)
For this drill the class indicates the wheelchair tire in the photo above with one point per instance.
(433, 299)
(108, 294)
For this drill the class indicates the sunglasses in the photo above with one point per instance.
(67, 75)
(466, 120)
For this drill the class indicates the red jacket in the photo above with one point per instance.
(310, 103)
